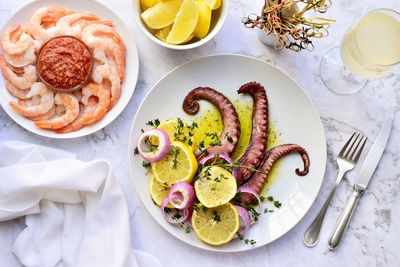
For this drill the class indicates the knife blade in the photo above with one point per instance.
(363, 179)
(374, 156)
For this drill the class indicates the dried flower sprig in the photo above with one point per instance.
(283, 19)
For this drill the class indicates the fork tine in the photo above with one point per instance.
(346, 145)
(361, 149)
(356, 148)
(346, 155)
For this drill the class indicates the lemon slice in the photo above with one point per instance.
(185, 23)
(203, 25)
(162, 35)
(215, 186)
(158, 191)
(215, 226)
(161, 14)
(177, 130)
(145, 4)
(180, 164)
(213, 4)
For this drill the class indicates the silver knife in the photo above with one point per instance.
(364, 176)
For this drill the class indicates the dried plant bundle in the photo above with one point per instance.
(294, 30)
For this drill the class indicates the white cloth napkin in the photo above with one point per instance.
(76, 214)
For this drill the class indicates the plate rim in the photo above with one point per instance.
(130, 154)
(137, 63)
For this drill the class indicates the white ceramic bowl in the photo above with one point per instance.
(131, 66)
(218, 19)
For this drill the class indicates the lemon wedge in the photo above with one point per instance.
(162, 35)
(203, 25)
(180, 164)
(178, 130)
(161, 14)
(145, 4)
(215, 186)
(185, 23)
(215, 226)
(213, 4)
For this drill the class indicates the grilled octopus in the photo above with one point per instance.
(255, 152)
(230, 119)
(259, 178)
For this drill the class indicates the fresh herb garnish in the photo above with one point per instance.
(216, 216)
(146, 164)
(245, 240)
(254, 214)
(185, 227)
(174, 153)
(238, 198)
(215, 141)
(154, 123)
(277, 204)
(136, 151)
(197, 206)
(148, 141)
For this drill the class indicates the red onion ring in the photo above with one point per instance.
(163, 145)
(235, 172)
(181, 195)
(184, 213)
(208, 159)
(244, 219)
(246, 189)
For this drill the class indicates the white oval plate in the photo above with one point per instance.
(131, 66)
(290, 109)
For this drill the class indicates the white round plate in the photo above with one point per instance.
(131, 66)
(290, 109)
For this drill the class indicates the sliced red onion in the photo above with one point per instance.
(235, 172)
(244, 220)
(210, 158)
(181, 195)
(188, 220)
(183, 213)
(157, 153)
(246, 189)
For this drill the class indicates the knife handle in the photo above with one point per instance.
(345, 218)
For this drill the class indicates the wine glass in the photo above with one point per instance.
(369, 49)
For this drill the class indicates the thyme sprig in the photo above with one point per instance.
(245, 240)
(154, 123)
(174, 153)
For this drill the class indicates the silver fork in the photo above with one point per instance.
(346, 161)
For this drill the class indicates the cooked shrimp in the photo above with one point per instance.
(93, 110)
(74, 23)
(78, 95)
(21, 60)
(50, 14)
(45, 104)
(105, 42)
(71, 105)
(21, 94)
(15, 41)
(23, 81)
(103, 73)
(44, 116)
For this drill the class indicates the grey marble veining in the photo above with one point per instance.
(372, 236)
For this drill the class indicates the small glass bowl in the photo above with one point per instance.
(62, 90)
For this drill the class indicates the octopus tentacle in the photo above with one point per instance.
(230, 119)
(255, 152)
(258, 179)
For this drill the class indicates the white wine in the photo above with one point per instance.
(372, 47)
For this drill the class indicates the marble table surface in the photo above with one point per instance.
(373, 232)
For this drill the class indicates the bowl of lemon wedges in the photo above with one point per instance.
(180, 24)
